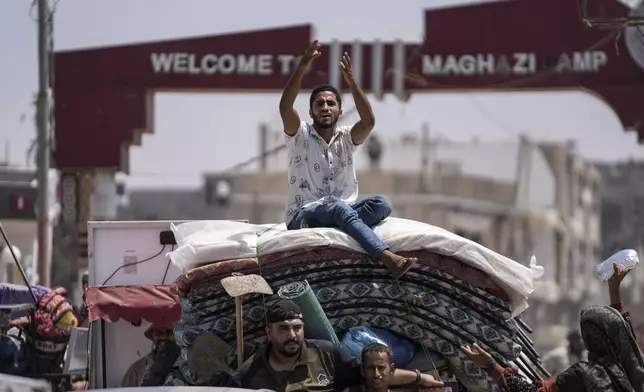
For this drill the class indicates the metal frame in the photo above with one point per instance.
(7, 310)
(74, 336)
(607, 23)
(98, 361)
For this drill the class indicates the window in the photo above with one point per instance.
(611, 215)
(21, 205)
(470, 235)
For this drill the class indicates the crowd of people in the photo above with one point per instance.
(323, 192)
(612, 362)
(606, 359)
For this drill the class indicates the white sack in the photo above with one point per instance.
(205, 242)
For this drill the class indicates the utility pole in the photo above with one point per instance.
(257, 209)
(44, 143)
(425, 147)
(263, 146)
(424, 183)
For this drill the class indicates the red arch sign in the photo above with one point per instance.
(104, 95)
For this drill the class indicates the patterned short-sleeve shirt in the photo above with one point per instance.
(317, 170)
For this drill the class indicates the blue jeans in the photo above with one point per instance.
(356, 220)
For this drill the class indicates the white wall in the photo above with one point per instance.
(125, 345)
(542, 185)
(109, 242)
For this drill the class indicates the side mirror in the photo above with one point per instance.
(77, 354)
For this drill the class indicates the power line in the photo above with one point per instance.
(494, 119)
(272, 151)
(233, 168)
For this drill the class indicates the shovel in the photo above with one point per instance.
(237, 286)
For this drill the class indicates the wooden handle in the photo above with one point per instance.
(240, 331)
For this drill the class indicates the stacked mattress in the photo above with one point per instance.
(441, 304)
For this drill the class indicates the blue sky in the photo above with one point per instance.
(209, 132)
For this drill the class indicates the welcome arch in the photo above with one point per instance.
(103, 96)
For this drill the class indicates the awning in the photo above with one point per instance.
(156, 304)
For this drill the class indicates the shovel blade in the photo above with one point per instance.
(237, 286)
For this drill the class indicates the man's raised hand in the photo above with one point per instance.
(480, 357)
(347, 69)
(615, 281)
(310, 54)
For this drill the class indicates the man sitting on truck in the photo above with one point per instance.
(323, 188)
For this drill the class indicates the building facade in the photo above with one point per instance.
(623, 222)
(569, 283)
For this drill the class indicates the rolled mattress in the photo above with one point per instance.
(440, 304)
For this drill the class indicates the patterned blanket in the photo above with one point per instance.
(440, 304)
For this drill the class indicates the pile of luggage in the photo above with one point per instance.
(459, 293)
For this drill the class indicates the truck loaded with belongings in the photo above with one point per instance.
(460, 292)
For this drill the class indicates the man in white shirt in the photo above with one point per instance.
(323, 189)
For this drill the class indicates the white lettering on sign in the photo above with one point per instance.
(521, 63)
(222, 64)
(582, 62)
(469, 64)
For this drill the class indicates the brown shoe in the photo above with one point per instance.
(404, 265)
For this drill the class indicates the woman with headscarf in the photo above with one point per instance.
(615, 362)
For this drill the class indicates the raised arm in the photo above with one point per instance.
(290, 118)
(508, 380)
(407, 377)
(348, 374)
(362, 128)
(614, 284)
